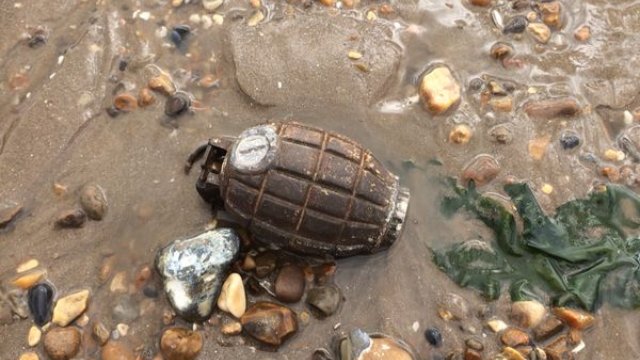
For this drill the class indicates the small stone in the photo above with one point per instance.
(324, 300)
(439, 90)
(482, 169)
(614, 155)
(125, 102)
(501, 103)
(27, 265)
(513, 337)
(551, 13)
(195, 18)
(433, 336)
(218, 19)
(231, 328)
(527, 314)
(119, 283)
(29, 279)
(212, 5)
(256, 18)
(583, 33)
(180, 344)
(461, 134)
(177, 104)
(142, 276)
(269, 323)
(29, 356)
(232, 297)
(540, 32)
(329, 3)
(265, 264)
(576, 319)
(179, 34)
(354, 55)
(557, 349)
(40, 301)
(62, 343)
(255, 3)
(496, 325)
(520, 4)
(501, 50)
(162, 84)
(70, 307)
(501, 134)
(510, 353)
(208, 81)
(290, 284)
(453, 307)
(537, 354)
(538, 147)
(116, 350)
(480, 2)
(515, 25)
(249, 263)
(8, 213)
(94, 201)
(105, 269)
(474, 344)
(73, 218)
(145, 97)
(547, 188)
(569, 141)
(177, 3)
(470, 354)
(33, 338)
(100, 332)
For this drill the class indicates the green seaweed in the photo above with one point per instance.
(582, 256)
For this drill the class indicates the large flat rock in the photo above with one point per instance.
(303, 59)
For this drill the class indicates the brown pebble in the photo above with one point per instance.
(501, 50)
(583, 33)
(162, 84)
(548, 328)
(231, 328)
(509, 353)
(290, 283)
(461, 134)
(329, 3)
(557, 349)
(101, 333)
(551, 13)
(551, 108)
(514, 337)
(180, 344)
(145, 97)
(470, 354)
(482, 169)
(73, 218)
(125, 102)
(269, 323)
(142, 276)
(480, 2)
(538, 147)
(93, 201)
(62, 343)
(7, 214)
(576, 319)
(575, 336)
(501, 103)
(116, 350)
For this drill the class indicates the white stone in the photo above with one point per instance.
(232, 298)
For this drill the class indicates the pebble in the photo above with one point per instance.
(179, 34)
(540, 32)
(34, 336)
(232, 297)
(231, 328)
(8, 213)
(510, 353)
(29, 279)
(100, 332)
(557, 349)
(433, 336)
(439, 90)
(354, 55)
(123, 329)
(256, 18)
(212, 5)
(514, 337)
(218, 19)
(162, 84)
(29, 356)
(583, 33)
(576, 319)
(537, 354)
(501, 50)
(180, 344)
(208, 81)
(547, 188)
(145, 97)
(551, 13)
(119, 283)
(193, 270)
(569, 141)
(94, 201)
(125, 102)
(482, 169)
(290, 284)
(548, 328)
(527, 314)
(269, 323)
(73, 218)
(501, 134)
(40, 299)
(538, 147)
(515, 25)
(177, 104)
(480, 2)
(614, 155)
(116, 350)
(496, 325)
(70, 307)
(27, 265)
(265, 263)
(461, 134)
(62, 343)
(324, 299)
(126, 309)
(471, 354)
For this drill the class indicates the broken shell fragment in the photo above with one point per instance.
(193, 270)
(359, 345)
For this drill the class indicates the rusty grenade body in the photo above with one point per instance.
(304, 189)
